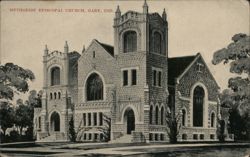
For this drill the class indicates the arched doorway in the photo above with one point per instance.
(55, 122)
(129, 120)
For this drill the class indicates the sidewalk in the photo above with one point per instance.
(83, 149)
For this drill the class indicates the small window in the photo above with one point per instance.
(156, 137)
(95, 119)
(184, 136)
(134, 79)
(195, 136)
(150, 137)
(95, 136)
(84, 119)
(85, 136)
(100, 119)
(202, 136)
(212, 136)
(59, 95)
(93, 54)
(51, 96)
(183, 117)
(89, 119)
(125, 77)
(212, 120)
(90, 136)
(39, 122)
(199, 67)
(154, 77)
(101, 136)
(54, 95)
(156, 115)
(159, 78)
(162, 137)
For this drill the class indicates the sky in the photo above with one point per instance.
(194, 26)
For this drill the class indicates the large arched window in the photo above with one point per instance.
(151, 115)
(157, 42)
(183, 117)
(156, 115)
(212, 120)
(198, 101)
(130, 41)
(94, 87)
(162, 115)
(55, 76)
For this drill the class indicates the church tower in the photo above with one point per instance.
(141, 51)
(53, 120)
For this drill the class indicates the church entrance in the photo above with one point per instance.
(55, 122)
(129, 120)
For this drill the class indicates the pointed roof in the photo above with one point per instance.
(108, 48)
(177, 65)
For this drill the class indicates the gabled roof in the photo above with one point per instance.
(177, 65)
(108, 48)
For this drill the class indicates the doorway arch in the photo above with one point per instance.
(129, 120)
(55, 122)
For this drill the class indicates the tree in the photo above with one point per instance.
(7, 115)
(174, 125)
(237, 98)
(13, 78)
(72, 132)
(24, 117)
(106, 129)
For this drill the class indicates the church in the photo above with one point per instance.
(123, 93)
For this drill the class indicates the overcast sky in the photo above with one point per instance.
(194, 26)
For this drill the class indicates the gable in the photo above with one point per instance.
(197, 71)
(98, 50)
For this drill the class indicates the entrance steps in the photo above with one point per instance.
(123, 139)
(53, 137)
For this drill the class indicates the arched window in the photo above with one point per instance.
(51, 96)
(183, 117)
(55, 95)
(59, 95)
(94, 87)
(130, 41)
(198, 101)
(162, 115)
(212, 120)
(157, 42)
(55, 76)
(151, 115)
(156, 115)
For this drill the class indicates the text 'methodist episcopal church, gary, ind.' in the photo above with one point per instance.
(134, 84)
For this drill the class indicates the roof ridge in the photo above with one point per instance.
(183, 56)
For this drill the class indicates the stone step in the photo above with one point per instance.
(123, 139)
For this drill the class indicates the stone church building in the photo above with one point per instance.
(126, 91)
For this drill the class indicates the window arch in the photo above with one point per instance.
(162, 115)
(184, 114)
(94, 87)
(130, 41)
(151, 115)
(198, 102)
(51, 96)
(212, 120)
(55, 95)
(156, 115)
(55, 76)
(59, 95)
(157, 43)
